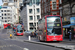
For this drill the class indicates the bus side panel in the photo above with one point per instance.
(46, 27)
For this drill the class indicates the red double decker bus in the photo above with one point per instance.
(7, 26)
(50, 28)
(20, 30)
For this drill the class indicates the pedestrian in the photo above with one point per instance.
(70, 33)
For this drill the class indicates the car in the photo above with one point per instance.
(27, 33)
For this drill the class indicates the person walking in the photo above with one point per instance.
(70, 33)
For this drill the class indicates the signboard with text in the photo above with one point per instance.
(72, 20)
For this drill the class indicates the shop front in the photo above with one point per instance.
(68, 27)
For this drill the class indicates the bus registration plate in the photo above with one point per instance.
(54, 40)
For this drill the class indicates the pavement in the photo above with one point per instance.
(67, 40)
(57, 45)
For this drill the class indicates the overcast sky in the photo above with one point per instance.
(0, 2)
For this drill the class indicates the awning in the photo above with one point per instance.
(67, 26)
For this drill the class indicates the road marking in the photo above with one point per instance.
(25, 49)
(10, 46)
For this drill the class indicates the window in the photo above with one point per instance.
(34, 11)
(38, 17)
(15, 0)
(5, 14)
(37, 2)
(1, 10)
(60, 1)
(2, 17)
(4, 10)
(73, 9)
(33, 1)
(9, 21)
(30, 3)
(5, 20)
(31, 17)
(54, 5)
(34, 18)
(8, 17)
(5, 17)
(39, 22)
(20, 0)
(54, 13)
(35, 24)
(10, 0)
(2, 14)
(37, 10)
(31, 28)
(31, 24)
(8, 14)
(30, 10)
(8, 10)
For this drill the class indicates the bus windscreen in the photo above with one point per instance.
(19, 29)
(53, 26)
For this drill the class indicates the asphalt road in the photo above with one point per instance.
(19, 45)
(13, 44)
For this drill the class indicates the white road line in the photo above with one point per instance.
(12, 46)
(25, 49)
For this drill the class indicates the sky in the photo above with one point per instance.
(0, 2)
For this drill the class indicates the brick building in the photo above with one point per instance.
(50, 7)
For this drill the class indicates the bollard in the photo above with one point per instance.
(29, 38)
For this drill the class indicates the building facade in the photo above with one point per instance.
(50, 7)
(15, 5)
(68, 9)
(7, 15)
(30, 14)
(0, 17)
